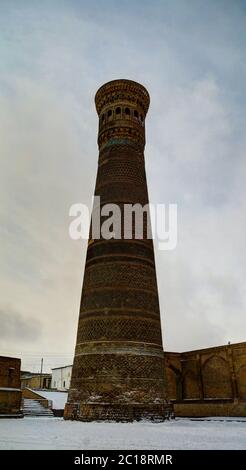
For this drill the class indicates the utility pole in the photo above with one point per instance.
(42, 361)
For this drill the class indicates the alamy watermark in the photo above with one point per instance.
(125, 221)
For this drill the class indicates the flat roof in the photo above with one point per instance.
(34, 374)
(62, 367)
(10, 357)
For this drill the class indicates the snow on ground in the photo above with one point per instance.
(55, 433)
(59, 399)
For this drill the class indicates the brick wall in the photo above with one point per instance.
(9, 372)
(10, 394)
(198, 379)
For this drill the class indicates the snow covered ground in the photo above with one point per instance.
(58, 399)
(55, 433)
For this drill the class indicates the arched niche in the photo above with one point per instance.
(216, 378)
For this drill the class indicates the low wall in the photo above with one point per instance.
(28, 393)
(58, 413)
(201, 409)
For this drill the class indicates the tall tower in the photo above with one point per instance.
(118, 371)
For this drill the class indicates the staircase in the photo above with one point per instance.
(35, 408)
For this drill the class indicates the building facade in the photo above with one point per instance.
(208, 382)
(118, 370)
(35, 381)
(10, 387)
(61, 378)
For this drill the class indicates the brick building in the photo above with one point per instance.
(208, 382)
(35, 381)
(10, 390)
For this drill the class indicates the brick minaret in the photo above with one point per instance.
(118, 370)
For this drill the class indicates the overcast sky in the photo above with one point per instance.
(54, 55)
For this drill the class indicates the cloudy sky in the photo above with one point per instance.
(190, 55)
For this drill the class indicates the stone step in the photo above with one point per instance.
(39, 411)
(35, 408)
(39, 414)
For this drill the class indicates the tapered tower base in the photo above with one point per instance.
(117, 412)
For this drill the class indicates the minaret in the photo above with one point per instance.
(118, 370)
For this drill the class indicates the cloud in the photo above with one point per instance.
(190, 57)
(15, 326)
(197, 160)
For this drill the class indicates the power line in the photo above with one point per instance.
(35, 354)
